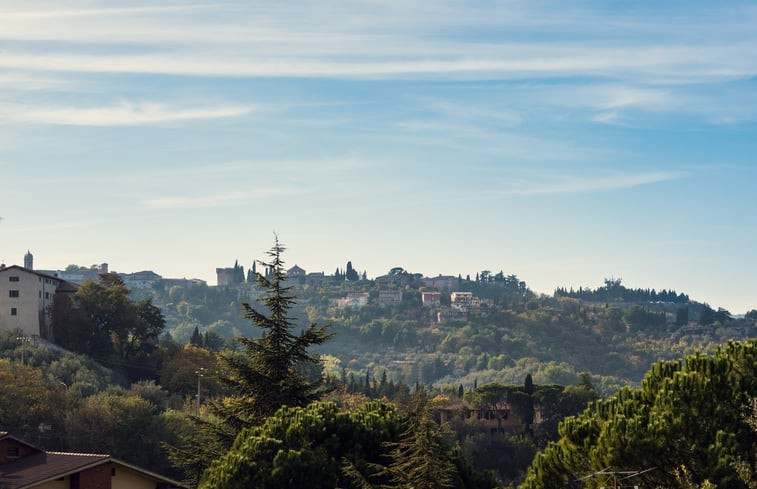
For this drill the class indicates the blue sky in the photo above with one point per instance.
(564, 142)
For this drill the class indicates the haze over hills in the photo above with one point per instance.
(601, 155)
(146, 276)
(449, 329)
(475, 342)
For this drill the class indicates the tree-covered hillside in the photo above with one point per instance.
(506, 332)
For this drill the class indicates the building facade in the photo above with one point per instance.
(26, 299)
(431, 299)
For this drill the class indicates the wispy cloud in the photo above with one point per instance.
(544, 61)
(33, 81)
(377, 39)
(23, 13)
(564, 184)
(218, 200)
(121, 114)
(608, 117)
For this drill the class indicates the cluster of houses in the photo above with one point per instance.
(28, 294)
(460, 303)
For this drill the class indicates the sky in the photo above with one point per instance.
(564, 142)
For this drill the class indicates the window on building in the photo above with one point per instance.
(11, 452)
(13, 279)
(47, 295)
(12, 293)
(14, 311)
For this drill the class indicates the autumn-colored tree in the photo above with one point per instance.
(28, 399)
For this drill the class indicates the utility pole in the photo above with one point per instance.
(24, 339)
(200, 374)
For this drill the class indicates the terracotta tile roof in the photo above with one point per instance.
(29, 270)
(41, 467)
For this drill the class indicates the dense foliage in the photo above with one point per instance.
(689, 416)
(104, 322)
(323, 446)
(308, 447)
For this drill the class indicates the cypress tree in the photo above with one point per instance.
(196, 338)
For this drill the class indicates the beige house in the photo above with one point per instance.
(390, 296)
(461, 299)
(26, 298)
(431, 299)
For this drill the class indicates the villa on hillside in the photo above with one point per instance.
(390, 296)
(431, 298)
(448, 314)
(353, 299)
(295, 271)
(448, 282)
(494, 420)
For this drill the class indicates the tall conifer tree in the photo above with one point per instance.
(268, 375)
(265, 376)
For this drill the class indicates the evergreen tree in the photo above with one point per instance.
(238, 272)
(687, 416)
(196, 338)
(421, 459)
(528, 385)
(351, 274)
(264, 376)
(269, 374)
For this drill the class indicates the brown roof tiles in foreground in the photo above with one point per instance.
(42, 467)
(37, 469)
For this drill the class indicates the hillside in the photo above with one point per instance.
(500, 331)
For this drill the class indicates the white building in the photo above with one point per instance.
(462, 300)
(353, 299)
(26, 298)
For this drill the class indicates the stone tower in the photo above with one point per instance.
(29, 260)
